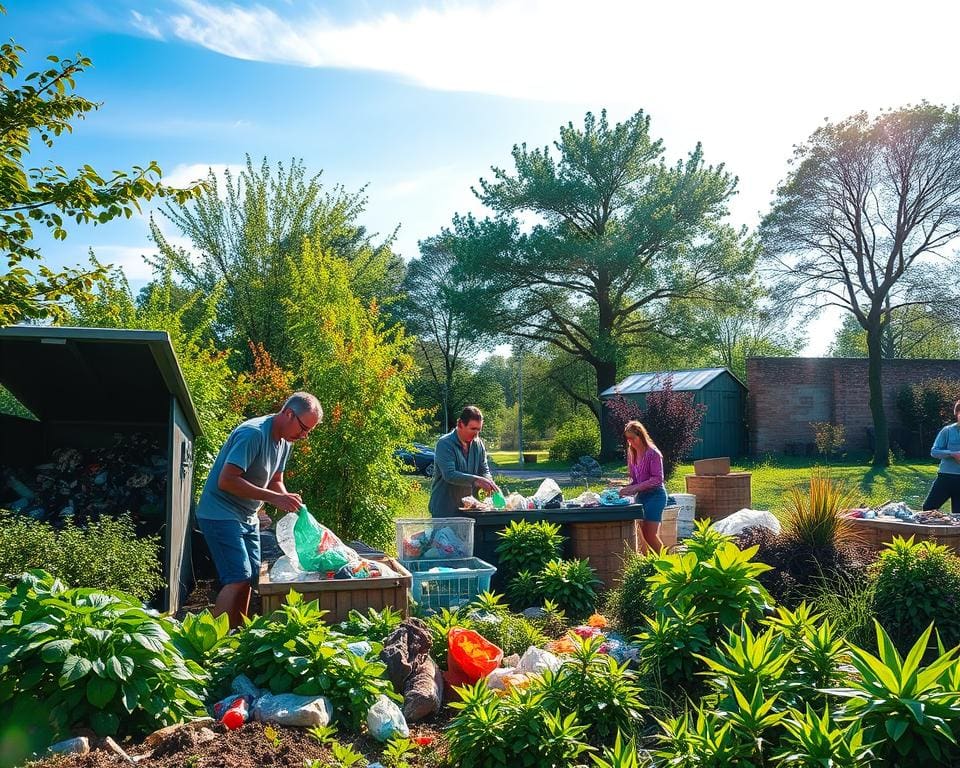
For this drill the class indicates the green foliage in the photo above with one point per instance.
(723, 587)
(374, 626)
(602, 694)
(95, 659)
(571, 584)
(526, 546)
(748, 661)
(396, 752)
(511, 633)
(518, 729)
(579, 436)
(849, 608)
(43, 105)
(523, 590)
(669, 649)
(702, 741)
(829, 438)
(250, 233)
(188, 320)
(911, 710)
(916, 583)
(107, 554)
(927, 406)
(294, 651)
(818, 652)
(204, 638)
(360, 368)
(815, 519)
(623, 755)
(813, 741)
(628, 603)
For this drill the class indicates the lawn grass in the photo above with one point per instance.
(508, 460)
(908, 481)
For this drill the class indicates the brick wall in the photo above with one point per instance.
(787, 393)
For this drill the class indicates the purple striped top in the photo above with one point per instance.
(647, 473)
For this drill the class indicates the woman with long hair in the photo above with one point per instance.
(645, 467)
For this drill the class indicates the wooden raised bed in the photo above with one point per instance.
(339, 596)
(878, 531)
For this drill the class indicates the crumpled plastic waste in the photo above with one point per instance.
(292, 709)
(611, 498)
(747, 518)
(585, 499)
(319, 548)
(385, 720)
(548, 495)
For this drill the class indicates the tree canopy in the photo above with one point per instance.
(865, 221)
(44, 106)
(595, 243)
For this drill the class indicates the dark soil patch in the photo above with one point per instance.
(249, 747)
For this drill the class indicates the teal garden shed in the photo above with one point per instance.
(723, 431)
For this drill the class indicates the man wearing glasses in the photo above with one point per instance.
(248, 473)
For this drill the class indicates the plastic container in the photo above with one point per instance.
(438, 538)
(687, 504)
(442, 588)
(236, 714)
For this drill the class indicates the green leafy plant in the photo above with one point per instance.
(491, 731)
(108, 554)
(916, 583)
(440, 624)
(669, 648)
(828, 437)
(575, 438)
(527, 546)
(272, 736)
(293, 650)
(511, 633)
(818, 651)
(95, 659)
(204, 638)
(523, 590)
(815, 517)
(814, 741)
(489, 602)
(623, 755)
(375, 625)
(702, 741)
(397, 751)
(903, 705)
(749, 661)
(604, 695)
(571, 584)
(629, 603)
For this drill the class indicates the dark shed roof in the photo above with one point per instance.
(683, 381)
(93, 374)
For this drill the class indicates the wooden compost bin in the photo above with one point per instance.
(600, 534)
(340, 596)
(878, 531)
(720, 495)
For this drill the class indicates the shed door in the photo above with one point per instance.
(180, 495)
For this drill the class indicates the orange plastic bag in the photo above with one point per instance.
(472, 657)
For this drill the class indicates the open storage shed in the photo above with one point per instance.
(89, 388)
(723, 431)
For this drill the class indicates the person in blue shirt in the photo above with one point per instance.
(947, 485)
(248, 473)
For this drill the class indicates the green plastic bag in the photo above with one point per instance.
(318, 548)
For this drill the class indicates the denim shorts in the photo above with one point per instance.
(235, 549)
(653, 502)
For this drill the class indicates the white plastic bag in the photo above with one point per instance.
(385, 720)
(284, 532)
(747, 518)
(291, 709)
(449, 544)
(516, 501)
(495, 679)
(547, 491)
(586, 499)
(538, 660)
(284, 570)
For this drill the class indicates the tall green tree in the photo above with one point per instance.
(913, 332)
(865, 221)
(433, 313)
(619, 240)
(245, 230)
(43, 106)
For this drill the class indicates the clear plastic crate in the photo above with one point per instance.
(432, 539)
(436, 589)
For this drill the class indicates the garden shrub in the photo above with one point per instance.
(526, 546)
(108, 554)
(83, 658)
(511, 633)
(580, 436)
(294, 651)
(359, 367)
(916, 583)
(628, 603)
(672, 418)
(829, 438)
(571, 584)
(927, 406)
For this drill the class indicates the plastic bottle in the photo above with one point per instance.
(498, 501)
(236, 714)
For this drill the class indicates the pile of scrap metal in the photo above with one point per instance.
(129, 477)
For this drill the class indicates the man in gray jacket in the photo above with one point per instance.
(460, 465)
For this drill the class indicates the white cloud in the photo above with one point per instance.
(145, 25)
(129, 258)
(189, 173)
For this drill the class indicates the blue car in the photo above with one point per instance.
(418, 458)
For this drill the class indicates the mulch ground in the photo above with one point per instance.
(249, 747)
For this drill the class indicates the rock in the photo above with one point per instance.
(204, 735)
(157, 737)
(79, 746)
(402, 648)
(535, 613)
(111, 746)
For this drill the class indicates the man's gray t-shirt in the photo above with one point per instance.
(250, 448)
(455, 473)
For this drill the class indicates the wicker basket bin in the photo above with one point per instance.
(720, 495)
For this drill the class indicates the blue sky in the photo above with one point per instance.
(418, 100)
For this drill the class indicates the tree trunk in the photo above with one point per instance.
(609, 442)
(881, 439)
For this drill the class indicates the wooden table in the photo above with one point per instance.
(601, 534)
